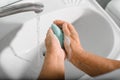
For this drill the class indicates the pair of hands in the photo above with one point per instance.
(71, 41)
(53, 67)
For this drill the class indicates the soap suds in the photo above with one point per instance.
(67, 42)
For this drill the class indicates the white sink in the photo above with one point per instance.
(98, 34)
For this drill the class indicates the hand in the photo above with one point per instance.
(90, 63)
(71, 40)
(53, 46)
(53, 67)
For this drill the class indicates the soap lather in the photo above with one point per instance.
(59, 34)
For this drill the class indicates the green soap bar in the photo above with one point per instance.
(59, 34)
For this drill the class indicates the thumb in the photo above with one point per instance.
(50, 33)
(49, 37)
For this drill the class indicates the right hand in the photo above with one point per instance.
(71, 38)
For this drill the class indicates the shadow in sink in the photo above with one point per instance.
(2, 74)
(7, 33)
(13, 66)
(95, 33)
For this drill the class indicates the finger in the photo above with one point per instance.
(66, 47)
(67, 42)
(53, 36)
(65, 54)
(49, 36)
(73, 32)
(71, 28)
(59, 23)
(49, 33)
(47, 39)
(66, 30)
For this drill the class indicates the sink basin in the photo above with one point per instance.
(95, 33)
(98, 34)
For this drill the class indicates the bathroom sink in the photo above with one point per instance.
(98, 35)
(95, 32)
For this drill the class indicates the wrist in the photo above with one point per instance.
(54, 61)
(55, 55)
(50, 51)
(76, 53)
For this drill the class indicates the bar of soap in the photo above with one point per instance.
(59, 34)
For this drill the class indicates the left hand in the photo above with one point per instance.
(53, 46)
(53, 67)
